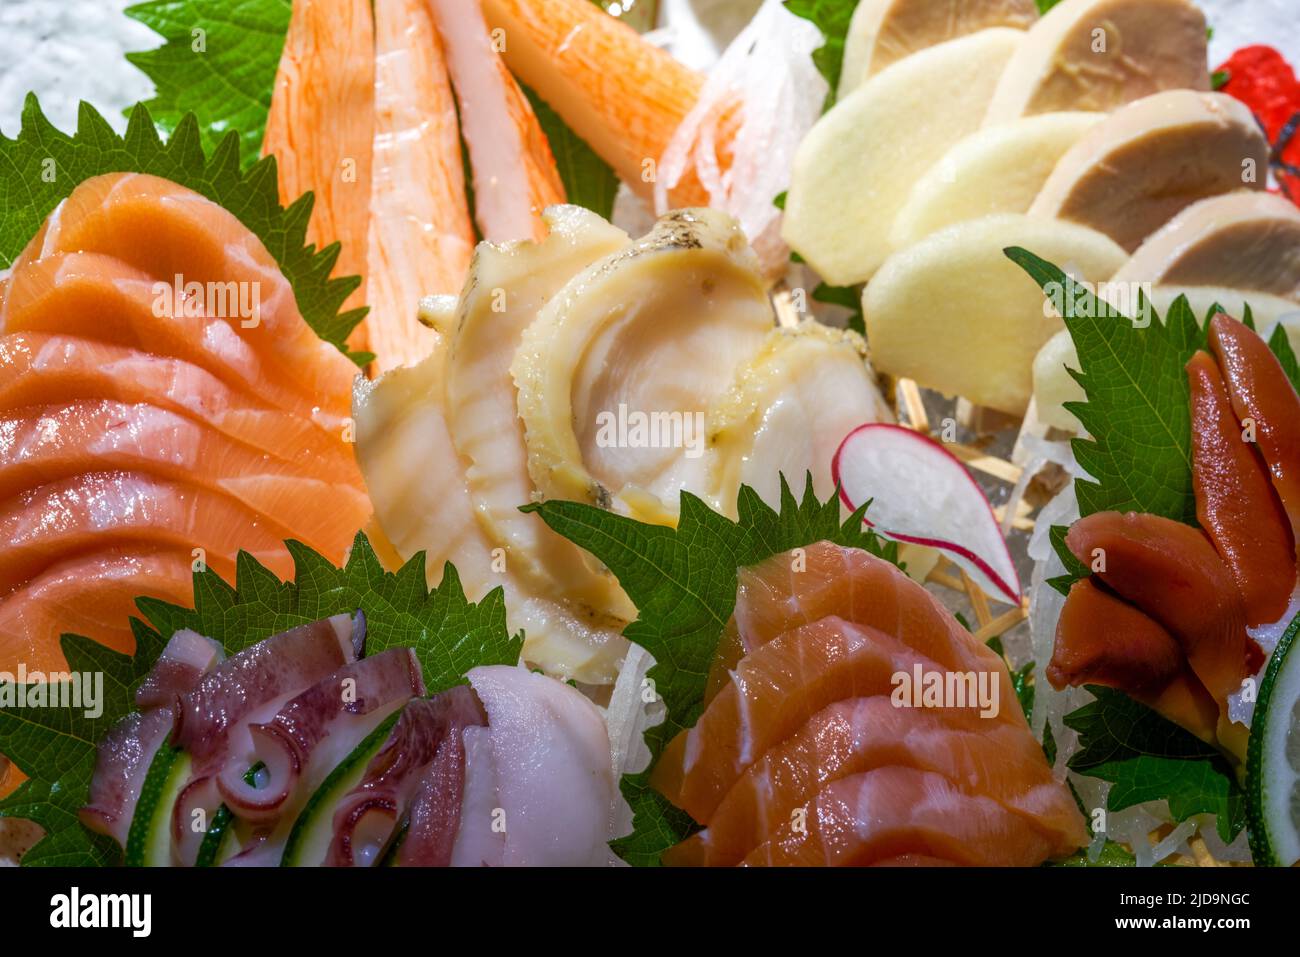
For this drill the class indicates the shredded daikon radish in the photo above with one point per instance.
(767, 74)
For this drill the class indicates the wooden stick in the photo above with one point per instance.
(988, 464)
(915, 406)
(1003, 623)
(979, 602)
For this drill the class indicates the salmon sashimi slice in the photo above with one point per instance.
(40, 369)
(1103, 640)
(772, 693)
(623, 95)
(97, 297)
(1172, 573)
(782, 593)
(53, 521)
(515, 177)
(321, 129)
(421, 238)
(897, 812)
(978, 756)
(165, 231)
(49, 443)
(1262, 393)
(1235, 501)
(91, 593)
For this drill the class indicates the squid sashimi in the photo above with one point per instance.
(321, 128)
(37, 369)
(51, 443)
(515, 177)
(858, 734)
(421, 237)
(1262, 393)
(91, 594)
(620, 93)
(1235, 502)
(891, 813)
(809, 714)
(162, 231)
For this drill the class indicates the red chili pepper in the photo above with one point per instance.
(1261, 78)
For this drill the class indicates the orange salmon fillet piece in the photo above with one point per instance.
(92, 593)
(51, 443)
(42, 368)
(157, 231)
(421, 238)
(979, 755)
(889, 812)
(82, 513)
(321, 129)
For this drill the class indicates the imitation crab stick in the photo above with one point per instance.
(621, 94)
(514, 172)
(421, 238)
(321, 127)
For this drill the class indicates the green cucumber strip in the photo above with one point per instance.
(148, 843)
(210, 851)
(1269, 811)
(314, 829)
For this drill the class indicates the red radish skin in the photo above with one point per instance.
(1008, 591)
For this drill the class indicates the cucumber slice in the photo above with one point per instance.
(1273, 759)
(149, 842)
(309, 841)
(221, 842)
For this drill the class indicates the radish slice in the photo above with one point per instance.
(921, 493)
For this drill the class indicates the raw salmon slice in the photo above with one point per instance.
(164, 230)
(772, 693)
(91, 593)
(94, 296)
(894, 812)
(94, 510)
(40, 368)
(823, 579)
(1235, 501)
(978, 756)
(421, 238)
(321, 128)
(50, 443)
(1261, 392)
(515, 177)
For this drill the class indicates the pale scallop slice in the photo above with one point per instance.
(422, 504)
(1153, 158)
(997, 169)
(1248, 241)
(953, 313)
(791, 406)
(1097, 55)
(508, 285)
(856, 167)
(618, 370)
(882, 32)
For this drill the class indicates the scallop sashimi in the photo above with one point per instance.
(163, 406)
(810, 753)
